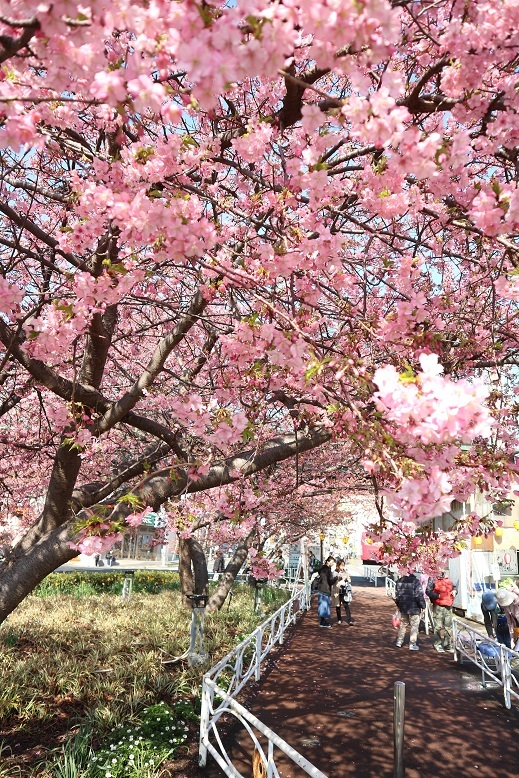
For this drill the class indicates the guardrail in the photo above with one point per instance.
(498, 662)
(225, 680)
(371, 572)
(390, 587)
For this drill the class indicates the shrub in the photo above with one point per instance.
(81, 584)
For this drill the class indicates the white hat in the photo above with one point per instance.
(504, 597)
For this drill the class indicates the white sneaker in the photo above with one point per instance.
(439, 649)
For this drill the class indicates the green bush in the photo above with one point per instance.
(81, 584)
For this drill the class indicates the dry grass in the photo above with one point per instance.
(96, 662)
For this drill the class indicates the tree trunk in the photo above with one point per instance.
(19, 574)
(225, 583)
(192, 569)
(185, 571)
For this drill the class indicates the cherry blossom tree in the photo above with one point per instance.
(232, 235)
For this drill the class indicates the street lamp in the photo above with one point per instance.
(321, 538)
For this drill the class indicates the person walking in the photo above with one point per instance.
(218, 565)
(442, 598)
(325, 582)
(342, 594)
(410, 602)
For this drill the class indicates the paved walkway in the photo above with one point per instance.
(329, 694)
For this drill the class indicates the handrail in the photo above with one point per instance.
(371, 572)
(251, 723)
(226, 679)
(467, 641)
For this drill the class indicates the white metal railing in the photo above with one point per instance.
(371, 572)
(428, 617)
(292, 576)
(224, 681)
(390, 587)
(502, 667)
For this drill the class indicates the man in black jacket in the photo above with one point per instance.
(410, 601)
(324, 591)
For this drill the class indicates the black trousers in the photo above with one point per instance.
(347, 611)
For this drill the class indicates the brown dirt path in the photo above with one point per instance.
(329, 694)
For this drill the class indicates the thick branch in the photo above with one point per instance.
(166, 484)
(120, 408)
(11, 46)
(25, 223)
(229, 575)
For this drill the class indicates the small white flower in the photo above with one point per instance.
(114, 761)
(131, 737)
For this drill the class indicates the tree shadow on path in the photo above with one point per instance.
(329, 694)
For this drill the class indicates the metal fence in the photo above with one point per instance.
(225, 680)
(496, 661)
(371, 572)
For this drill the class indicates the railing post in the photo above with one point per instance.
(398, 728)
(282, 627)
(259, 641)
(454, 638)
(506, 672)
(205, 712)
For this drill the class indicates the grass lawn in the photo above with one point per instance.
(77, 670)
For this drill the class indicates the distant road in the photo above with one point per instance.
(124, 564)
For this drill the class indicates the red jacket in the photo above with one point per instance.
(443, 587)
